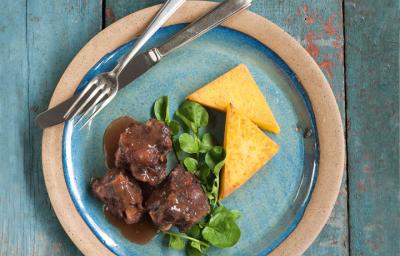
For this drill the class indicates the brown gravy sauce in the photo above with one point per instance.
(143, 231)
(111, 138)
(139, 233)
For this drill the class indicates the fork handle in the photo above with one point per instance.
(166, 11)
(195, 29)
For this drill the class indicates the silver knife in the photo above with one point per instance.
(143, 62)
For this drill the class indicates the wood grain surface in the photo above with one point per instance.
(372, 68)
(40, 38)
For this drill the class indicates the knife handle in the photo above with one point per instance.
(195, 29)
(166, 11)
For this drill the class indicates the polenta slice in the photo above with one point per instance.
(238, 87)
(247, 150)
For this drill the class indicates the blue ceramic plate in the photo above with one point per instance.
(272, 202)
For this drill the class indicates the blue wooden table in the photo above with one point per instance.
(356, 44)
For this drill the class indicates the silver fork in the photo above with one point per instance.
(104, 86)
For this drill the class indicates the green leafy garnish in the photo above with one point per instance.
(191, 251)
(188, 143)
(207, 142)
(181, 236)
(174, 126)
(201, 155)
(194, 231)
(190, 164)
(193, 115)
(176, 242)
(197, 246)
(161, 110)
(215, 156)
(222, 230)
(204, 173)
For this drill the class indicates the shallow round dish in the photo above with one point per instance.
(284, 206)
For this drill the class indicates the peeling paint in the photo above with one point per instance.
(327, 66)
(321, 42)
(323, 32)
(309, 20)
(329, 243)
(337, 42)
(329, 26)
(311, 47)
(309, 17)
(305, 8)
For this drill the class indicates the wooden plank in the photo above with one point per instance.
(318, 26)
(372, 66)
(38, 38)
(14, 129)
(56, 32)
(116, 9)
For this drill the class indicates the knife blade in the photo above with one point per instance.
(136, 67)
(144, 61)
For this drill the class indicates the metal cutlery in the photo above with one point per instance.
(103, 88)
(144, 61)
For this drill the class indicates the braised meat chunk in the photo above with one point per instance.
(121, 195)
(179, 201)
(143, 149)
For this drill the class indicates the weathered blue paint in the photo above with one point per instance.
(38, 40)
(14, 132)
(115, 10)
(55, 33)
(372, 68)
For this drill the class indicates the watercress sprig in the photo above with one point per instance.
(161, 111)
(201, 155)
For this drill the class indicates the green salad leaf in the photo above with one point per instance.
(194, 115)
(176, 242)
(161, 110)
(207, 142)
(188, 143)
(196, 245)
(190, 164)
(174, 126)
(222, 230)
(191, 251)
(194, 231)
(202, 156)
(204, 173)
(214, 157)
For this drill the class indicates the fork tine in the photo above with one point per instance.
(92, 106)
(81, 95)
(105, 103)
(87, 101)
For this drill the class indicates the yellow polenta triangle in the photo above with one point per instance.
(238, 87)
(247, 150)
